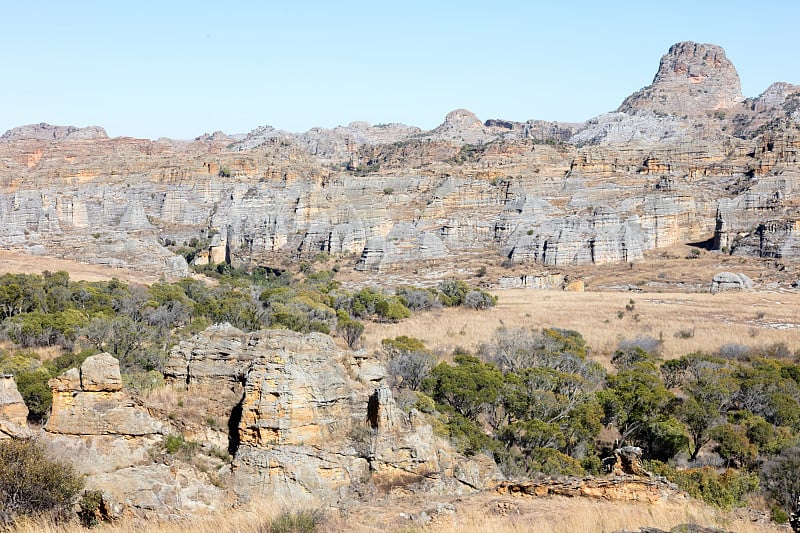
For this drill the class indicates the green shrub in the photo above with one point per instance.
(37, 395)
(177, 445)
(299, 521)
(391, 309)
(33, 484)
(173, 443)
(90, 510)
(349, 328)
(726, 490)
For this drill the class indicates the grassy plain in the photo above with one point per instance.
(685, 322)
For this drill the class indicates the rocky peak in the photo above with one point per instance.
(463, 126)
(775, 95)
(47, 132)
(462, 118)
(692, 79)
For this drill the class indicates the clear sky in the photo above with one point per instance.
(181, 68)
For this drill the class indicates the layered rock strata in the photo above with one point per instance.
(108, 435)
(308, 432)
(686, 159)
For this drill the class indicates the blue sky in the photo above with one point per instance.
(179, 69)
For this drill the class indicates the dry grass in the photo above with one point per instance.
(685, 322)
(474, 514)
(20, 263)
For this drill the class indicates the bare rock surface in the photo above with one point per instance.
(112, 439)
(96, 404)
(307, 430)
(13, 411)
(686, 159)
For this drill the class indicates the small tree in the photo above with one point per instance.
(349, 328)
(32, 484)
(780, 477)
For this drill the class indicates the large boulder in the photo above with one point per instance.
(100, 373)
(91, 402)
(727, 281)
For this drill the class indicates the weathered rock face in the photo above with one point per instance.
(307, 431)
(692, 79)
(616, 489)
(13, 411)
(108, 436)
(91, 402)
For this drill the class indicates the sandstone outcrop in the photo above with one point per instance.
(108, 436)
(628, 461)
(13, 411)
(626, 488)
(90, 401)
(307, 431)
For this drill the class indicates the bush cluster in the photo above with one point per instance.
(32, 484)
(534, 401)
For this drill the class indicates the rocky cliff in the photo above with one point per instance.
(686, 159)
(313, 424)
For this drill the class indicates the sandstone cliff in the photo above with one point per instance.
(110, 436)
(686, 159)
(307, 430)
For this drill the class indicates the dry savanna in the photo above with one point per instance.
(684, 322)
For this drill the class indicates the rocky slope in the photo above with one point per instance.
(686, 159)
(307, 423)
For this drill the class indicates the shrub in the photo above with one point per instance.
(478, 299)
(454, 292)
(780, 478)
(299, 521)
(410, 368)
(392, 309)
(37, 395)
(33, 484)
(725, 490)
(418, 299)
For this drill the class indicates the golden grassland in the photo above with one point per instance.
(685, 322)
(485, 512)
(15, 263)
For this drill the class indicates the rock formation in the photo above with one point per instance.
(13, 411)
(686, 159)
(108, 435)
(307, 431)
(628, 461)
(692, 79)
(615, 489)
(728, 281)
